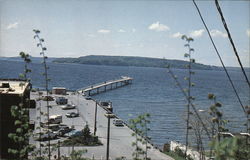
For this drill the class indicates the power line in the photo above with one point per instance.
(231, 40)
(217, 52)
(192, 105)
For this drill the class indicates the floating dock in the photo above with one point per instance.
(104, 86)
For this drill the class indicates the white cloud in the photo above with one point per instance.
(248, 32)
(91, 35)
(12, 25)
(245, 51)
(133, 30)
(117, 45)
(217, 33)
(121, 31)
(104, 31)
(141, 45)
(176, 35)
(197, 33)
(157, 26)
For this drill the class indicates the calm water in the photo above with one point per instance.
(152, 91)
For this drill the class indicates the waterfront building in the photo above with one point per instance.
(12, 93)
(59, 90)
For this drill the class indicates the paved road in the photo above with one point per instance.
(120, 137)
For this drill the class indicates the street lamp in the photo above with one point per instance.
(109, 114)
(96, 103)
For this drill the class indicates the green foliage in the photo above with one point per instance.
(86, 132)
(190, 98)
(85, 139)
(82, 141)
(140, 127)
(21, 136)
(216, 116)
(178, 154)
(233, 148)
(43, 49)
(27, 60)
(121, 158)
(20, 114)
(77, 155)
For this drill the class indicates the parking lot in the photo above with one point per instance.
(120, 136)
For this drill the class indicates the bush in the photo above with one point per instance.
(84, 139)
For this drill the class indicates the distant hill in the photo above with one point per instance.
(33, 59)
(132, 61)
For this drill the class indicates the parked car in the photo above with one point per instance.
(46, 136)
(51, 127)
(105, 104)
(88, 98)
(55, 119)
(68, 106)
(63, 130)
(72, 114)
(110, 115)
(75, 133)
(118, 122)
(61, 100)
(48, 98)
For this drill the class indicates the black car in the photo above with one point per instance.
(63, 130)
(88, 98)
(72, 114)
(61, 100)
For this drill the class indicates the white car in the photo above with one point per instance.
(68, 106)
(55, 119)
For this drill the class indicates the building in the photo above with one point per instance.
(12, 92)
(59, 90)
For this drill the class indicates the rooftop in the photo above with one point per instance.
(12, 86)
(58, 88)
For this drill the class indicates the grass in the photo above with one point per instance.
(82, 141)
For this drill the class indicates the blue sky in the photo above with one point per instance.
(73, 28)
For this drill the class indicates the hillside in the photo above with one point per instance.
(131, 61)
(33, 59)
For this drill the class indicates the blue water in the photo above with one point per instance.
(153, 91)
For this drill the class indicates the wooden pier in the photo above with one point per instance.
(104, 86)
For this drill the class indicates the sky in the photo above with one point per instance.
(145, 28)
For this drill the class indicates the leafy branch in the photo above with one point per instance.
(43, 49)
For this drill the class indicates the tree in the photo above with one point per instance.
(140, 127)
(43, 49)
(27, 60)
(21, 115)
(86, 132)
(190, 84)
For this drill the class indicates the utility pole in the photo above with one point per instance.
(95, 118)
(58, 151)
(108, 135)
(108, 115)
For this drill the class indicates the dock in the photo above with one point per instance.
(105, 86)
